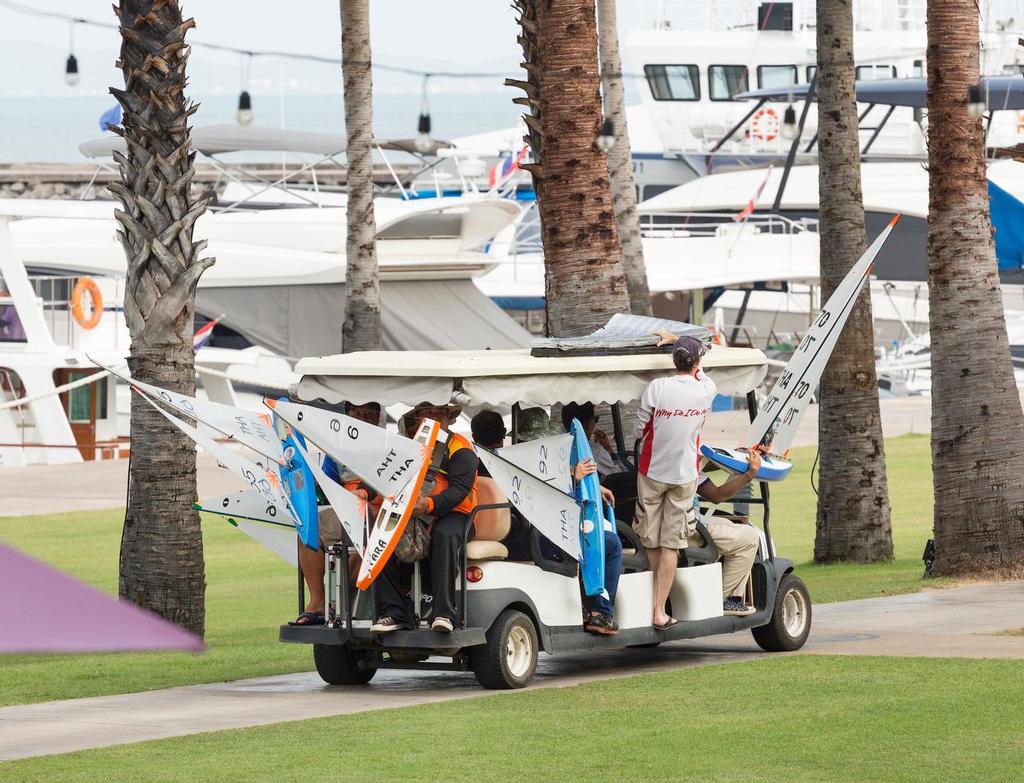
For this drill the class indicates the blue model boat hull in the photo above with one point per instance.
(735, 461)
(592, 523)
(300, 487)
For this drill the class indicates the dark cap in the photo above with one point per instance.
(690, 347)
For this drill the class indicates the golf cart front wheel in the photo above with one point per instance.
(791, 618)
(340, 665)
(509, 658)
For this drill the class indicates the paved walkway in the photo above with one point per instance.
(952, 622)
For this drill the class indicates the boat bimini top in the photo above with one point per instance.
(509, 377)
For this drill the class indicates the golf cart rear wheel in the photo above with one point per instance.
(340, 665)
(509, 658)
(791, 618)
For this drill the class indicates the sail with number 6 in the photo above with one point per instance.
(776, 424)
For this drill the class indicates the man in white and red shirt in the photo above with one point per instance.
(671, 414)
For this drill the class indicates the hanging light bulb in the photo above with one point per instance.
(71, 71)
(789, 123)
(244, 115)
(423, 143)
(606, 136)
(71, 66)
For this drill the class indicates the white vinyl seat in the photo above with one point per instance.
(492, 525)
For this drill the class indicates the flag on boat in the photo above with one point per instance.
(203, 333)
(110, 118)
(506, 167)
(748, 210)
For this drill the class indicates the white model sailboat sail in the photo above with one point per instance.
(265, 482)
(265, 523)
(351, 510)
(383, 460)
(249, 428)
(555, 514)
(775, 426)
(545, 458)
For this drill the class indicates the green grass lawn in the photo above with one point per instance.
(805, 718)
(250, 591)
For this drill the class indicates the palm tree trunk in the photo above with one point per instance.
(620, 162)
(361, 330)
(977, 424)
(853, 498)
(583, 279)
(161, 565)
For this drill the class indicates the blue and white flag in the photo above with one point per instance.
(110, 118)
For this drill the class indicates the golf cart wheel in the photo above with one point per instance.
(509, 658)
(791, 618)
(340, 665)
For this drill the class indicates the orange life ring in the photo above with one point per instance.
(82, 287)
(765, 125)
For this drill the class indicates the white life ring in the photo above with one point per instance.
(764, 125)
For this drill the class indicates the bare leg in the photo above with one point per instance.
(663, 563)
(312, 563)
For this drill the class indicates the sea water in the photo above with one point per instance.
(49, 129)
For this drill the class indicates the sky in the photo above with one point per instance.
(457, 35)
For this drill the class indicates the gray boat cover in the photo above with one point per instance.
(624, 333)
(305, 320)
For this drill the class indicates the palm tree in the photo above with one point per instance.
(361, 330)
(583, 279)
(161, 547)
(977, 424)
(620, 162)
(853, 498)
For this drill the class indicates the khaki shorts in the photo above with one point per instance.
(664, 513)
(329, 527)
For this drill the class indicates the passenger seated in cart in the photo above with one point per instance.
(450, 502)
(311, 561)
(736, 541)
(489, 431)
(604, 451)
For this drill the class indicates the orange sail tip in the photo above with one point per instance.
(895, 219)
(272, 404)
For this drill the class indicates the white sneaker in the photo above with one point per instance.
(385, 625)
(442, 625)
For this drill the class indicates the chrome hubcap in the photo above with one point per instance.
(794, 612)
(518, 651)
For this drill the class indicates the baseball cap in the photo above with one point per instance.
(689, 347)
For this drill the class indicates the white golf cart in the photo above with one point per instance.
(514, 609)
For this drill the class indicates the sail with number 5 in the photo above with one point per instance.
(776, 424)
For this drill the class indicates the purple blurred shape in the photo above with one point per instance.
(43, 610)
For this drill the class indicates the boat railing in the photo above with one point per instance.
(664, 225)
(54, 297)
(704, 15)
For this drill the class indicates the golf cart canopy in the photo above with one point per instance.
(510, 376)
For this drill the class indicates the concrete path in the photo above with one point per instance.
(85, 486)
(952, 622)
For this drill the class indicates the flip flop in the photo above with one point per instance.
(671, 621)
(308, 618)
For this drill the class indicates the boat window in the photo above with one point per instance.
(79, 400)
(776, 75)
(872, 72)
(724, 81)
(919, 68)
(101, 398)
(673, 82)
(810, 71)
(11, 329)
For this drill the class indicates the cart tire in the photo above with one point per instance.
(509, 658)
(340, 665)
(791, 618)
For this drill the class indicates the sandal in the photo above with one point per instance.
(671, 622)
(308, 618)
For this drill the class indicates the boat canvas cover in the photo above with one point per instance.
(415, 315)
(545, 458)
(622, 332)
(351, 510)
(553, 513)
(264, 481)
(776, 423)
(385, 460)
(254, 430)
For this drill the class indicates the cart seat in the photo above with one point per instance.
(492, 525)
